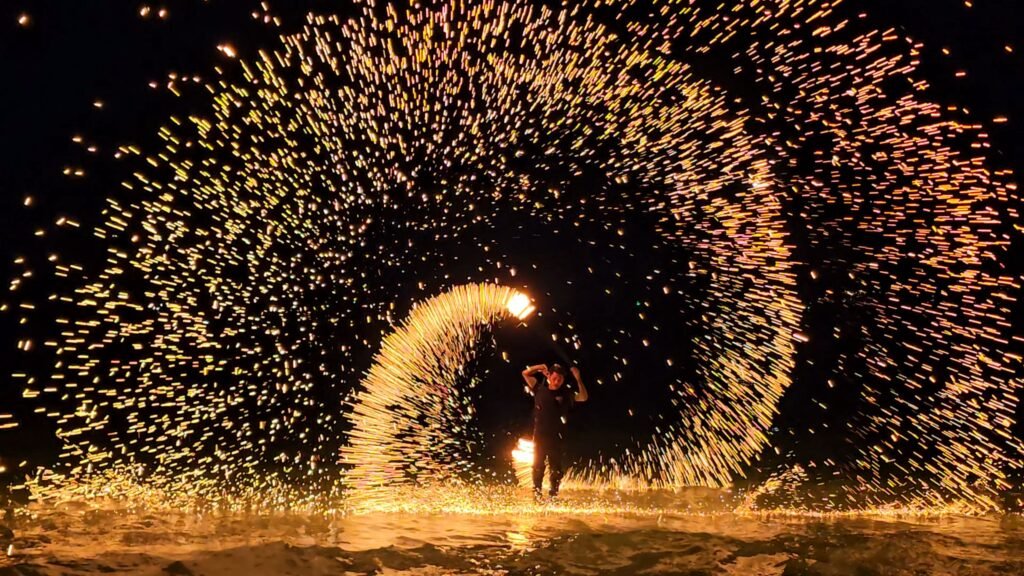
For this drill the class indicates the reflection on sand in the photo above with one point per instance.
(640, 535)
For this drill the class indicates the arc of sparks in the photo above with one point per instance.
(408, 402)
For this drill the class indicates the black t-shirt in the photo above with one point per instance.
(550, 409)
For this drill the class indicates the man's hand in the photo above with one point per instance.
(528, 374)
(582, 395)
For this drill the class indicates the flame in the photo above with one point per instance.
(522, 460)
(523, 452)
(520, 306)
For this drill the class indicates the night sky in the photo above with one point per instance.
(85, 68)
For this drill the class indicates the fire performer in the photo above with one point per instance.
(551, 405)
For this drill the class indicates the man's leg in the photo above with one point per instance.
(554, 450)
(539, 453)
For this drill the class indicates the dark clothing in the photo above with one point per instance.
(549, 449)
(550, 411)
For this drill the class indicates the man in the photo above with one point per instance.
(551, 404)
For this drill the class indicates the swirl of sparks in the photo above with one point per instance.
(247, 261)
(404, 418)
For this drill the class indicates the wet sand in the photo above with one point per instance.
(544, 539)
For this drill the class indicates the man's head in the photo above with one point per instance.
(556, 376)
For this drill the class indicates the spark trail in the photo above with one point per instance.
(407, 417)
(250, 261)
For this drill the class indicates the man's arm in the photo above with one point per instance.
(582, 395)
(528, 374)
